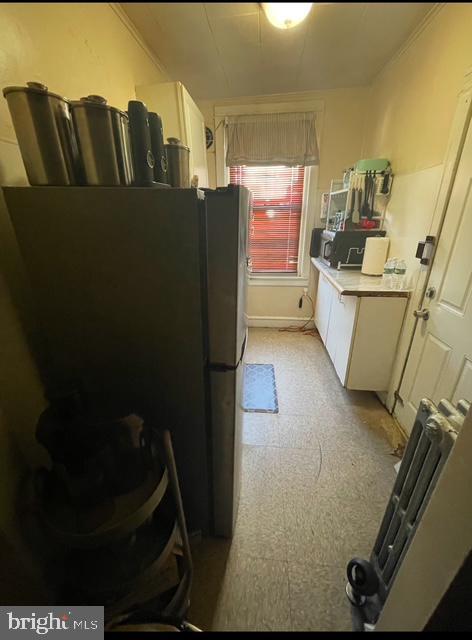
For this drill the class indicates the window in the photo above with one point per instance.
(274, 228)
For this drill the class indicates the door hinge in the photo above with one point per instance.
(397, 396)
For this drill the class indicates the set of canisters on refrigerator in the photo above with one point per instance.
(89, 142)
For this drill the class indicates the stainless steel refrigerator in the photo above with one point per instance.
(227, 224)
(140, 295)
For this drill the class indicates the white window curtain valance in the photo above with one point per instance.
(287, 139)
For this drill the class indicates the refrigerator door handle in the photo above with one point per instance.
(217, 366)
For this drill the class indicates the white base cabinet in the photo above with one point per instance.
(360, 334)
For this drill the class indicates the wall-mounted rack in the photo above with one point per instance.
(360, 202)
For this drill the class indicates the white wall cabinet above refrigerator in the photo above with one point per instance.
(181, 118)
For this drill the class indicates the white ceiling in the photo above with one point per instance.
(222, 50)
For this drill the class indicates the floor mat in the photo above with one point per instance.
(260, 393)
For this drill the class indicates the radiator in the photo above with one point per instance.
(433, 435)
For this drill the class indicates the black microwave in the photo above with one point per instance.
(345, 249)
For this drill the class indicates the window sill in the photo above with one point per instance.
(277, 281)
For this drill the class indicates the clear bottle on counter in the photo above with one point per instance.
(395, 273)
(389, 267)
(399, 275)
(400, 267)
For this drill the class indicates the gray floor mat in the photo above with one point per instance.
(260, 393)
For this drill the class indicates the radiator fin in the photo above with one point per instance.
(426, 453)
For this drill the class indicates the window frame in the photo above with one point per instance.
(311, 193)
(285, 273)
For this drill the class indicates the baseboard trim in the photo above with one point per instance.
(277, 321)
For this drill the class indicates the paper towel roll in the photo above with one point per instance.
(375, 255)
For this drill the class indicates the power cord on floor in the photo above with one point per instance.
(304, 329)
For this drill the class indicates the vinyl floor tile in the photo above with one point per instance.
(298, 431)
(315, 482)
(261, 429)
(318, 600)
(254, 596)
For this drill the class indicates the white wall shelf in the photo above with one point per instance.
(340, 202)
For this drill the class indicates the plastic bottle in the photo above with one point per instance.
(389, 269)
(400, 274)
(400, 267)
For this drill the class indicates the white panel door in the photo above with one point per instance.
(440, 363)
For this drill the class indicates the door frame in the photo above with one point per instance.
(460, 125)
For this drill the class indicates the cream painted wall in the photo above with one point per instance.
(207, 109)
(341, 130)
(412, 102)
(411, 206)
(409, 209)
(411, 108)
(281, 301)
(76, 49)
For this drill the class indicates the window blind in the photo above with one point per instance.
(274, 228)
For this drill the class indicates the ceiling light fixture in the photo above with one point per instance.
(285, 15)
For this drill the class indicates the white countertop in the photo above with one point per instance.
(351, 282)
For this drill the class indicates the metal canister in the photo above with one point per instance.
(103, 137)
(43, 127)
(178, 163)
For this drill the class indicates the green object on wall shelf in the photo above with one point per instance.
(374, 164)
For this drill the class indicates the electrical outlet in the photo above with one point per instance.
(304, 295)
